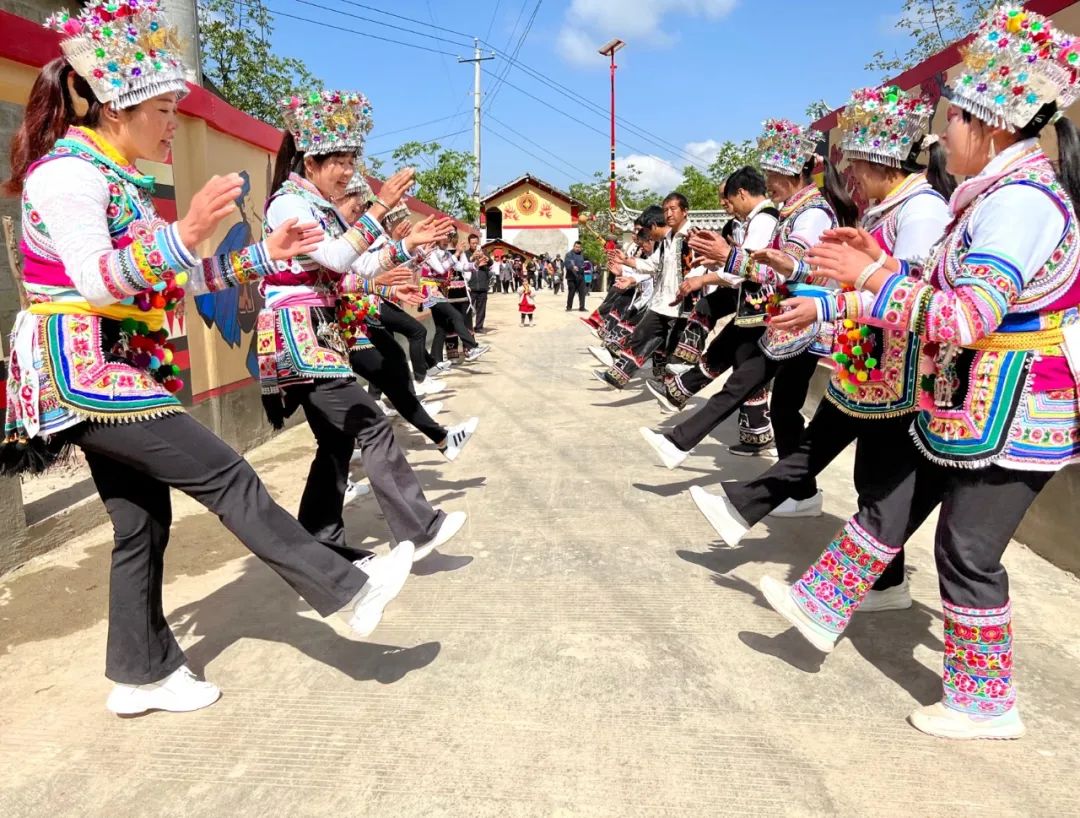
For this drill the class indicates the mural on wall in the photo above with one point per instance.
(234, 311)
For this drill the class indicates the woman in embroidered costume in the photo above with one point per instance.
(997, 312)
(91, 365)
(754, 354)
(304, 355)
(874, 388)
(375, 356)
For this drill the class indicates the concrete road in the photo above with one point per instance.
(584, 647)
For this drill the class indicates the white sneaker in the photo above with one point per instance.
(944, 722)
(354, 491)
(897, 598)
(444, 366)
(429, 386)
(432, 408)
(778, 595)
(457, 437)
(800, 508)
(179, 692)
(386, 578)
(679, 369)
(602, 355)
(475, 353)
(670, 454)
(387, 409)
(450, 526)
(721, 514)
(357, 455)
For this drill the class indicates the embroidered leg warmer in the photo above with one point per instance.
(832, 588)
(978, 660)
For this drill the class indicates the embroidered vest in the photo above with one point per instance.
(1013, 406)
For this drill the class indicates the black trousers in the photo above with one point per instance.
(575, 286)
(342, 414)
(448, 320)
(385, 368)
(885, 464)
(616, 301)
(479, 313)
(133, 466)
(397, 321)
(654, 334)
(557, 285)
(753, 370)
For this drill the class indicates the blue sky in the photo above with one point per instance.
(694, 73)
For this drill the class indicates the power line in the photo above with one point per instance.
(417, 125)
(494, 14)
(517, 50)
(409, 19)
(380, 23)
(425, 142)
(516, 146)
(570, 165)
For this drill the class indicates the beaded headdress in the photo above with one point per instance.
(359, 184)
(785, 147)
(1016, 63)
(125, 49)
(883, 125)
(328, 121)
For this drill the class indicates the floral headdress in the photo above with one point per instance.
(125, 50)
(1016, 63)
(883, 125)
(359, 184)
(324, 122)
(785, 147)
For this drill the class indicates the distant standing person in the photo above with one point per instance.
(479, 278)
(506, 272)
(557, 275)
(575, 278)
(527, 304)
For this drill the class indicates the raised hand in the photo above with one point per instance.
(853, 237)
(214, 201)
(408, 294)
(616, 256)
(430, 230)
(396, 186)
(710, 246)
(291, 238)
(839, 262)
(395, 277)
(402, 229)
(798, 313)
(779, 261)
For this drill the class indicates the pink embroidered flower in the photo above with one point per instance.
(997, 688)
(965, 684)
(829, 562)
(963, 632)
(824, 592)
(155, 258)
(974, 659)
(850, 579)
(992, 633)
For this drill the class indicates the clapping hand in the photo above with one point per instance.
(291, 238)
(798, 313)
(777, 260)
(839, 262)
(395, 277)
(213, 202)
(712, 247)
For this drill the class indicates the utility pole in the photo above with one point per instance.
(476, 60)
(608, 50)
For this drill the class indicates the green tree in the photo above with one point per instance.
(238, 63)
(731, 157)
(596, 197)
(699, 188)
(816, 110)
(931, 25)
(442, 177)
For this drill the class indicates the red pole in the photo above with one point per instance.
(613, 66)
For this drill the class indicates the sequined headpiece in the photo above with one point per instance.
(785, 147)
(328, 121)
(883, 125)
(1016, 63)
(125, 50)
(359, 185)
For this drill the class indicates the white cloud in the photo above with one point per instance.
(588, 24)
(703, 152)
(654, 173)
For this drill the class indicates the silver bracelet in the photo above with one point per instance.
(869, 270)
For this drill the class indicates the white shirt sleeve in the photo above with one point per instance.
(335, 254)
(759, 232)
(651, 264)
(809, 226)
(920, 224)
(1019, 224)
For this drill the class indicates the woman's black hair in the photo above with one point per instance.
(939, 178)
(1068, 140)
(835, 192)
(745, 178)
(290, 160)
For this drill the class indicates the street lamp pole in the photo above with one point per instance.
(608, 50)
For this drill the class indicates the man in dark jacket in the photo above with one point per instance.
(479, 275)
(575, 278)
